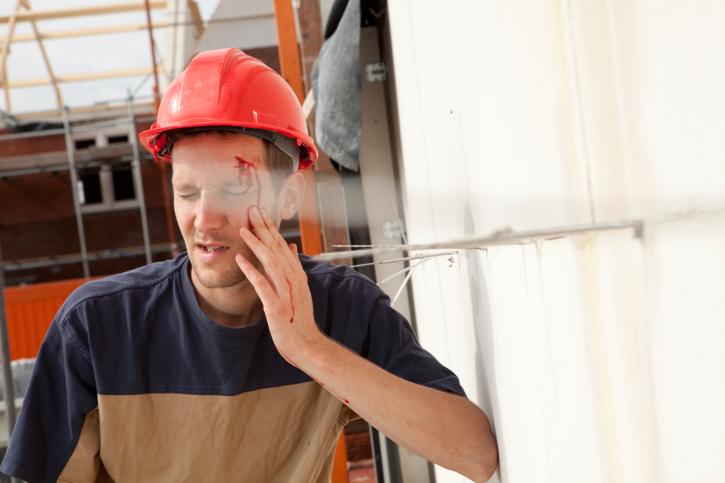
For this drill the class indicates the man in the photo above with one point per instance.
(240, 360)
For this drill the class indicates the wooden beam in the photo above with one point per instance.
(47, 64)
(310, 20)
(196, 17)
(62, 34)
(26, 4)
(112, 29)
(4, 54)
(83, 11)
(54, 113)
(289, 60)
(83, 77)
(289, 51)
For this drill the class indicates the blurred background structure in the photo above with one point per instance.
(543, 184)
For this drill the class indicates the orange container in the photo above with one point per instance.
(30, 311)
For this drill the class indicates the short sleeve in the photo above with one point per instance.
(391, 344)
(60, 395)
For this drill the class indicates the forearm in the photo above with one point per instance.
(446, 429)
(441, 427)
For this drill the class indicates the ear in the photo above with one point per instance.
(290, 197)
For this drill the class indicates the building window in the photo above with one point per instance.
(85, 143)
(117, 139)
(108, 187)
(89, 188)
(123, 188)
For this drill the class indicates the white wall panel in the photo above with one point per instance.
(256, 31)
(597, 356)
(673, 75)
(686, 286)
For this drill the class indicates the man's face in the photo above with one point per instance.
(216, 180)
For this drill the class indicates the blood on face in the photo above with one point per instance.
(248, 177)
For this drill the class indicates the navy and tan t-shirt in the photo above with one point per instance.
(134, 383)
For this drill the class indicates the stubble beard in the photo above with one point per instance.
(233, 277)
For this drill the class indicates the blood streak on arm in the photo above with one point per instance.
(316, 380)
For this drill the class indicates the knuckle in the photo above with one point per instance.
(277, 308)
(258, 278)
(273, 263)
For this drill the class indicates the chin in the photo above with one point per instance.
(221, 274)
(215, 278)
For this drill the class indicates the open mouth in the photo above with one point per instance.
(210, 249)
(209, 253)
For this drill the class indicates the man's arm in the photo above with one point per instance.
(441, 427)
(57, 436)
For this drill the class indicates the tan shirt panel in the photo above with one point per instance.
(84, 463)
(279, 434)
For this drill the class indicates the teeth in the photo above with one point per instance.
(210, 249)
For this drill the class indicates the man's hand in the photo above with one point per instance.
(443, 428)
(282, 289)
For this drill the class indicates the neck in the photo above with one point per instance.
(237, 306)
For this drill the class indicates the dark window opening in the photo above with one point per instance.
(85, 143)
(117, 139)
(91, 186)
(123, 182)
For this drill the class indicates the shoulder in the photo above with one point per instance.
(343, 300)
(106, 289)
(325, 273)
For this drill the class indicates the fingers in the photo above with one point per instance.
(273, 239)
(265, 291)
(292, 258)
(265, 230)
(273, 268)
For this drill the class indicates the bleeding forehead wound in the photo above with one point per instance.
(248, 177)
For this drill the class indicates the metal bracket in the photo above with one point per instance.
(393, 229)
(376, 72)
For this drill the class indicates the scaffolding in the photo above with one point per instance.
(72, 166)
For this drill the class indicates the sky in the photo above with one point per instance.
(81, 55)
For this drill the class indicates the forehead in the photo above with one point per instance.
(213, 150)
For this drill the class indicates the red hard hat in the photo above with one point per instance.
(229, 90)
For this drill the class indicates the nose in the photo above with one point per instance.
(209, 217)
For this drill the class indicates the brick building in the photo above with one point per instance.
(38, 226)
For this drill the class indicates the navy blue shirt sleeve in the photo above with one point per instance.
(62, 391)
(391, 344)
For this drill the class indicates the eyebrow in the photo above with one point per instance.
(186, 186)
(230, 183)
(182, 186)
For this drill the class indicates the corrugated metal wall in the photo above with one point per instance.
(598, 356)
